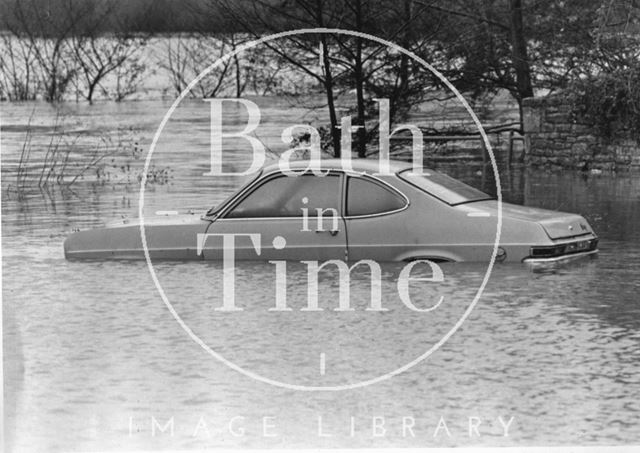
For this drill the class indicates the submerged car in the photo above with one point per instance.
(349, 215)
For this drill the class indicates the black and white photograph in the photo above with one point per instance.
(320, 224)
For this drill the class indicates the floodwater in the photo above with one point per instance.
(94, 359)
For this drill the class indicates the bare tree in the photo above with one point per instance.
(47, 33)
(256, 17)
(79, 42)
(17, 69)
(99, 56)
(184, 57)
(128, 77)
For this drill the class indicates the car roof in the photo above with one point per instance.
(361, 165)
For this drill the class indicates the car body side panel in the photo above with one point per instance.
(300, 245)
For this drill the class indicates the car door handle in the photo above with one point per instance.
(331, 232)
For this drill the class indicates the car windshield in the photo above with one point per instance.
(243, 184)
(444, 187)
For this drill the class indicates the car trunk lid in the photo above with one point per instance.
(557, 224)
(565, 226)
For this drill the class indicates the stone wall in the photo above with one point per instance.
(553, 138)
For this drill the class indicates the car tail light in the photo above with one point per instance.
(547, 251)
(551, 251)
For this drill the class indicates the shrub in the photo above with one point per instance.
(609, 102)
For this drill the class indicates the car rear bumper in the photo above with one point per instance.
(555, 259)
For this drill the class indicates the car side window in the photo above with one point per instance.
(286, 196)
(365, 197)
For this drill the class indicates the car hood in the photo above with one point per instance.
(557, 224)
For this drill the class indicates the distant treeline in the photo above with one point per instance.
(48, 17)
(113, 16)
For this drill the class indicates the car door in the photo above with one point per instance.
(287, 217)
(376, 220)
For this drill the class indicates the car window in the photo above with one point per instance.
(286, 196)
(244, 182)
(444, 187)
(366, 197)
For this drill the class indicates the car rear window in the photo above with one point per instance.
(444, 187)
(365, 197)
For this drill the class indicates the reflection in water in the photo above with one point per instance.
(96, 361)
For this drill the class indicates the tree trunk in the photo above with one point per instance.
(236, 62)
(52, 88)
(359, 80)
(403, 83)
(328, 82)
(91, 89)
(405, 42)
(519, 54)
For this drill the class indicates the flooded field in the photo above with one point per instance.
(94, 360)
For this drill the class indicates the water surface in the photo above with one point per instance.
(94, 359)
